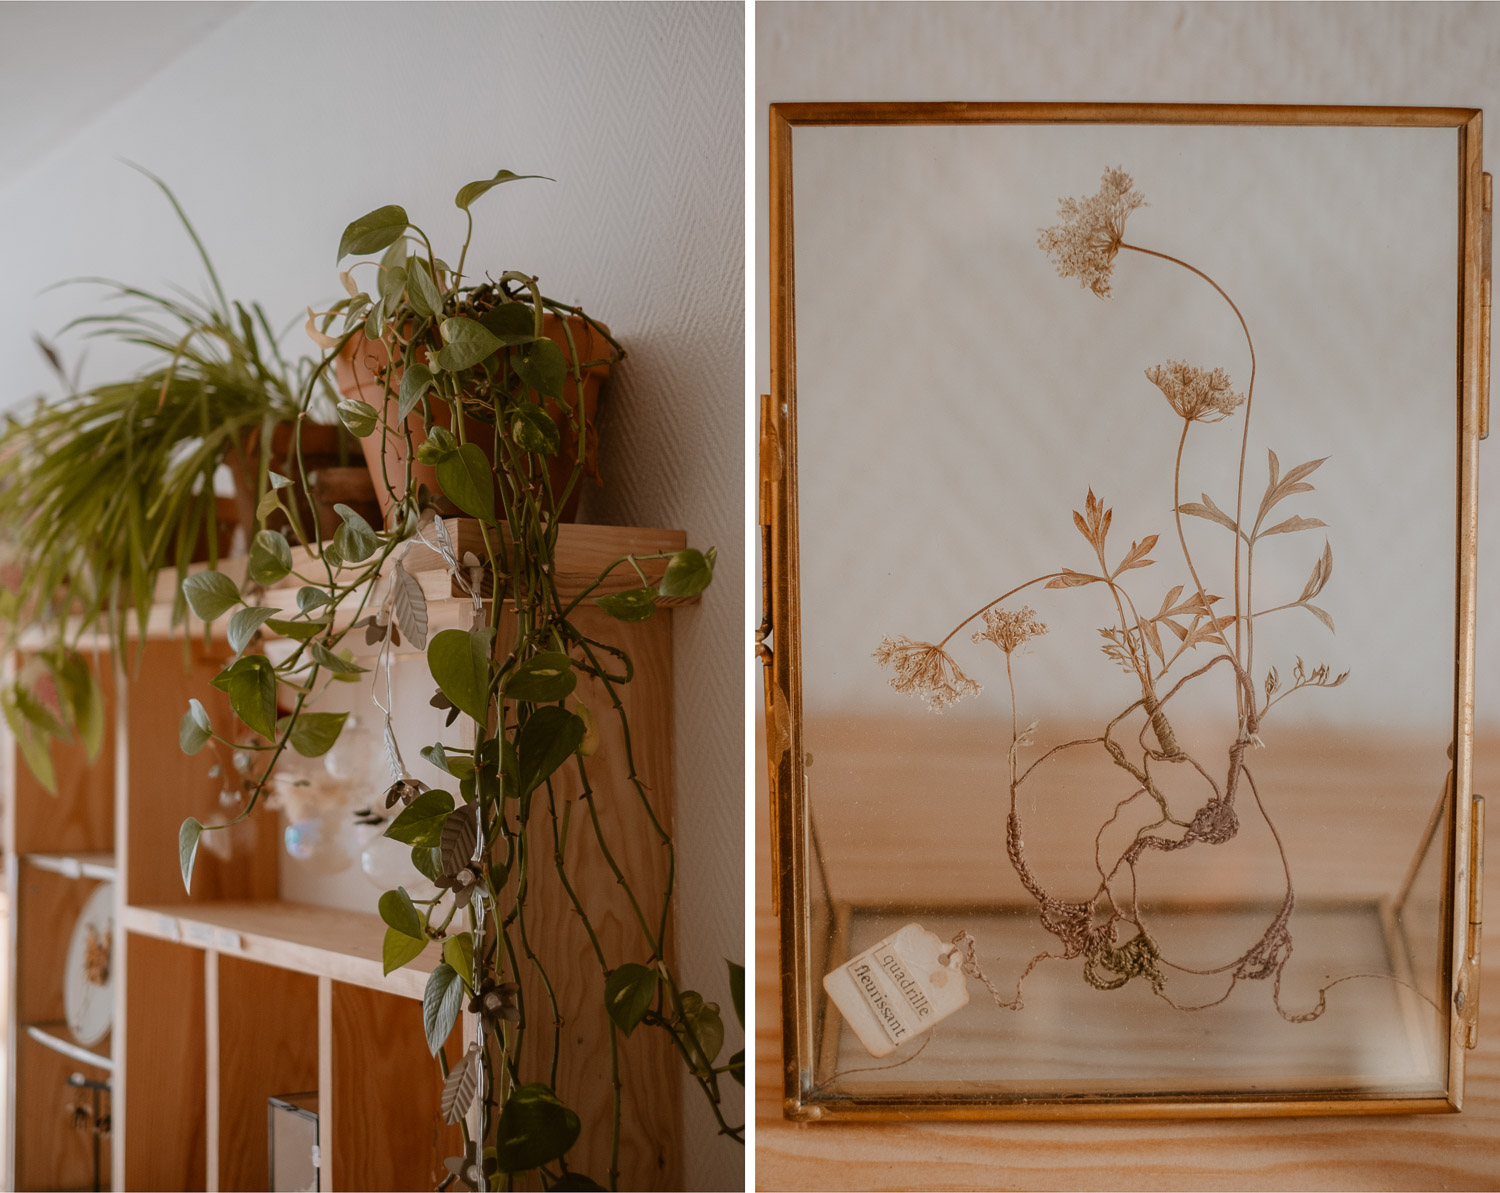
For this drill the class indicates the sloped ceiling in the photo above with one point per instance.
(62, 64)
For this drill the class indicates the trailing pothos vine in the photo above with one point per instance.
(467, 367)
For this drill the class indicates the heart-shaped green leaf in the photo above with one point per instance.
(299, 630)
(542, 679)
(458, 952)
(511, 322)
(355, 539)
(270, 557)
(420, 823)
(210, 594)
(421, 290)
(399, 949)
(460, 663)
(251, 684)
(187, 850)
(468, 481)
(638, 604)
(373, 231)
(400, 913)
(359, 417)
(466, 343)
(309, 598)
(535, 1129)
(415, 381)
(335, 663)
(245, 622)
(533, 430)
(195, 731)
(545, 742)
(314, 733)
(541, 365)
(628, 994)
(689, 572)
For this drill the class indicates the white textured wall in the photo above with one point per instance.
(1402, 54)
(291, 119)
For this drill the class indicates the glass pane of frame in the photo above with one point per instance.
(1127, 542)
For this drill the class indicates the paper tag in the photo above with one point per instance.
(166, 927)
(897, 989)
(226, 941)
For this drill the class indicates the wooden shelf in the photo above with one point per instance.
(583, 551)
(230, 994)
(98, 865)
(57, 1037)
(322, 941)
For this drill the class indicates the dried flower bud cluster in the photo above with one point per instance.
(926, 670)
(1009, 630)
(1084, 245)
(1198, 395)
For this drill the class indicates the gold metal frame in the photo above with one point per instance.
(791, 847)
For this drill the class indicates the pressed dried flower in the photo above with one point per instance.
(1008, 630)
(926, 670)
(1199, 395)
(1085, 244)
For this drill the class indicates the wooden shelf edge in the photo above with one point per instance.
(584, 550)
(323, 941)
(57, 1037)
(100, 866)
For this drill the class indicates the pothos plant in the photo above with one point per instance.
(471, 360)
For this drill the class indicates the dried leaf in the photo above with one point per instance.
(317, 337)
(1321, 573)
(1321, 615)
(1136, 556)
(1071, 579)
(1166, 603)
(1153, 639)
(461, 1086)
(409, 606)
(459, 835)
(1281, 487)
(1208, 510)
(1292, 524)
(1210, 631)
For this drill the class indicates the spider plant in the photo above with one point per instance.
(108, 486)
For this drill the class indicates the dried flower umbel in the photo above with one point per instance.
(1109, 932)
(1198, 395)
(1009, 630)
(1085, 244)
(925, 670)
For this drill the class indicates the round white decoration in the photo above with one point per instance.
(89, 1005)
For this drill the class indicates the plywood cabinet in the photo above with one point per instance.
(232, 994)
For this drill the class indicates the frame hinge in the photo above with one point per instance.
(1487, 223)
(777, 736)
(1467, 998)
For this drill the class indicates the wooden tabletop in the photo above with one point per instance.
(1454, 1151)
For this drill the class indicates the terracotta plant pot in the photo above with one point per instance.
(359, 375)
(335, 466)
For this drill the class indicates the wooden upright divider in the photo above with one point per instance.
(229, 995)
